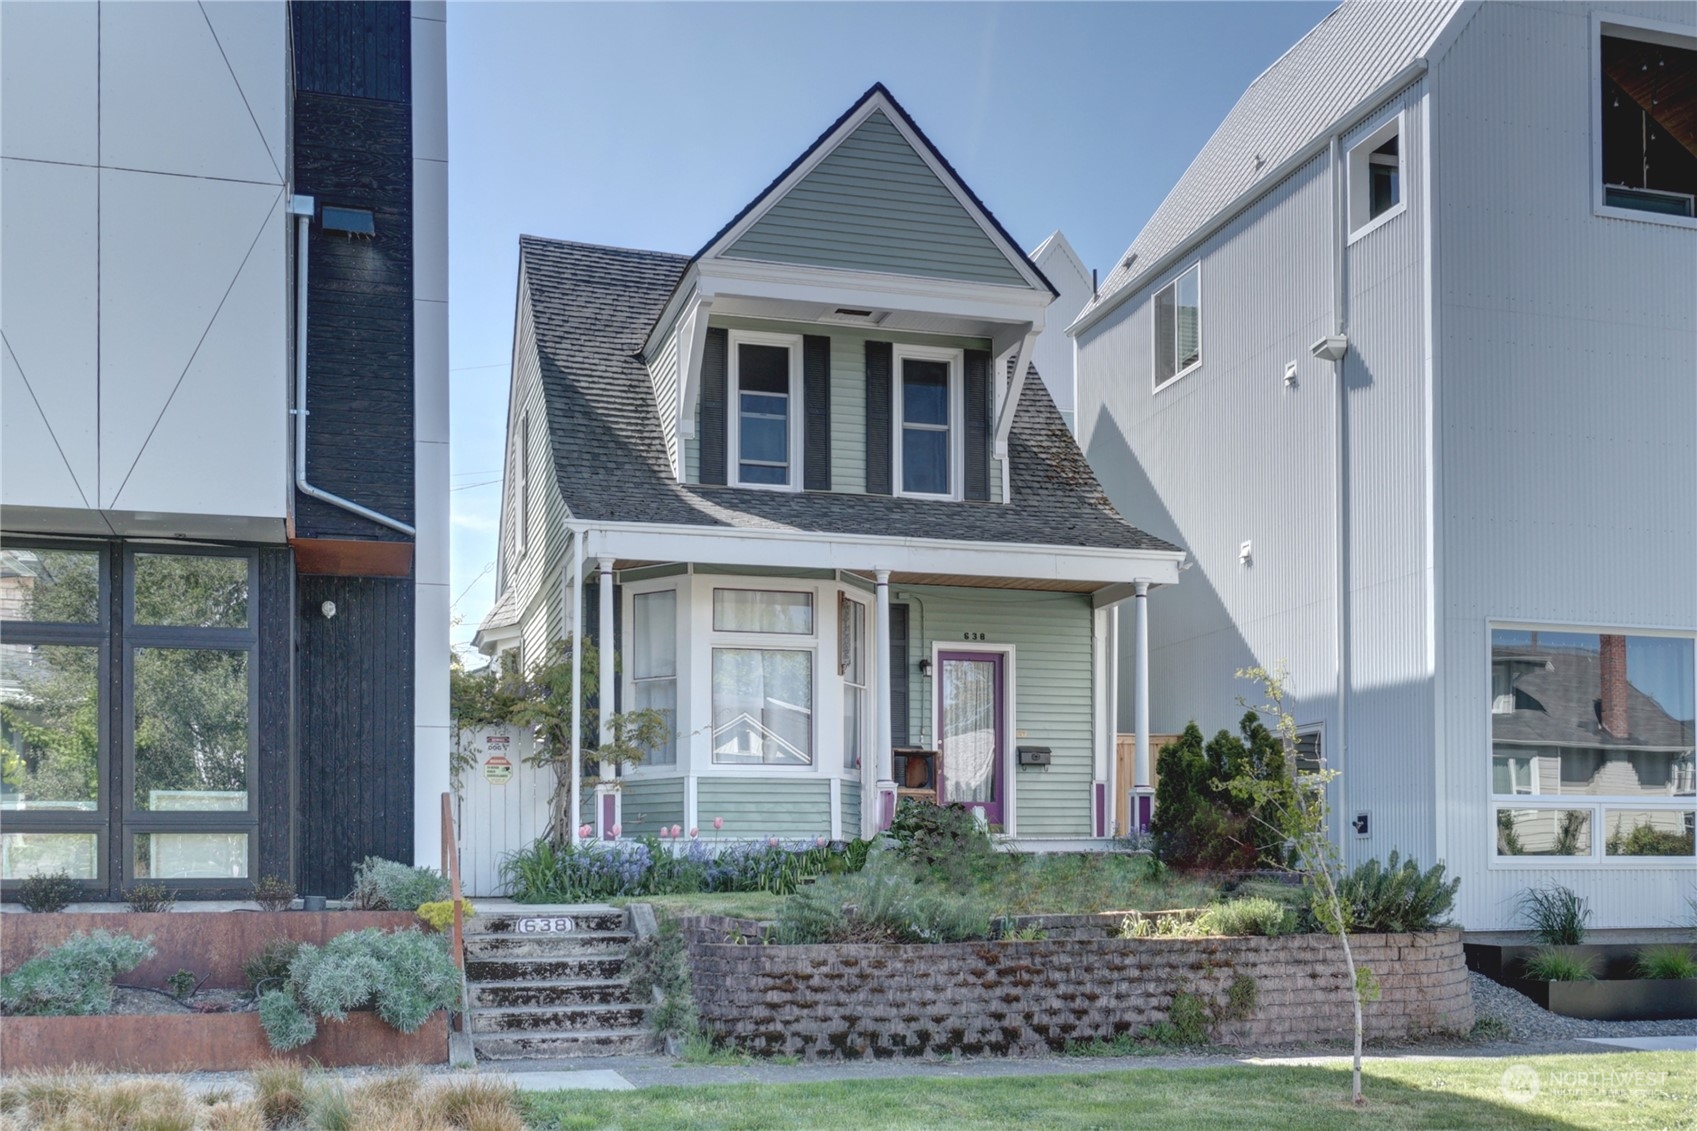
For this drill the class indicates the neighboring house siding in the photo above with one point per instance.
(1566, 485)
(1052, 638)
(650, 805)
(874, 205)
(754, 807)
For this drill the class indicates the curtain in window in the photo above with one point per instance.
(754, 610)
(762, 706)
(654, 665)
(969, 730)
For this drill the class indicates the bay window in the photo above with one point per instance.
(654, 665)
(1592, 744)
(852, 666)
(762, 678)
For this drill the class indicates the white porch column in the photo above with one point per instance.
(883, 807)
(574, 808)
(1140, 708)
(606, 792)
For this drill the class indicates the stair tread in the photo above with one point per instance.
(622, 1006)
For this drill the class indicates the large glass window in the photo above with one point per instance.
(49, 728)
(763, 379)
(654, 665)
(1178, 326)
(1579, 719)
(190, 729)
(762, 610)
(762, 706)
(1649, 99)
(852, 662)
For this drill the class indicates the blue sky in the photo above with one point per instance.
(650, 125)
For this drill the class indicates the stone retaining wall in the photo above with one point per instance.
(1024, 998)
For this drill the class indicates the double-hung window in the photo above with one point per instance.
(654, 665)
(1178, 326)
(762, 677)
(851, 663)
(928, 451)
(766, 424)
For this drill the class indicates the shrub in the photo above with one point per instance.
(439, 915)
(274, 893)
(1189, 1022)
(270, 967)
(1397, 897)
(279, 1088)
(1256, 915)
(145, 898)
(1557, 914)
(74, 977)
(945, 840)
(1552, 965)
(880, 904)
(1668, 960)
(384, 885)
(182, 984)
(661, 962)
(1645, 840)
(406, 976)
(47, 891)
(596, 869)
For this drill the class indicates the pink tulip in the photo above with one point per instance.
(772, 841)
(677, 830)
(694, 832)
(718, 823)
(616, 831)
(663, 832)
(583, 832)
(820, 841)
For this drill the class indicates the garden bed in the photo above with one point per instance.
(1617, 994)
(211, 1042)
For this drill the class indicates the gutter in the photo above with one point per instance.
(1345, 122)
(302, 207)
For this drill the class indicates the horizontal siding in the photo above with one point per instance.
(649, 806)
(1052, 639)
(664, 375)
(873, 204)
(851, 810)
(754, 807)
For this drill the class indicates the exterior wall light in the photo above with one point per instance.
(328, 608)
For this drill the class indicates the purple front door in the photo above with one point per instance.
(970, 731)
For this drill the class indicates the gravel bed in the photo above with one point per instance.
(1529, 1022)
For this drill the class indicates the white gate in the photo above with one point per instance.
(503, 802)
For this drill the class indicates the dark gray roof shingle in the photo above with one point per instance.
(592, 307)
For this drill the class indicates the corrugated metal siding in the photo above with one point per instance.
(754, 806)
(874, 205)
(1567, 486)
(1344, 59)
(1229, 454)
(1052, 639)
(650, 804)
(663, 372)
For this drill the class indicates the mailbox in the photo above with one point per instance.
(1034, 755)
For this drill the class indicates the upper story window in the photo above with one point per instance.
(928, 411)
(1648, 121)
(1178, 326)
(765, 433)
(1375, 178)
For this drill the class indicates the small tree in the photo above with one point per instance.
(1303, 816)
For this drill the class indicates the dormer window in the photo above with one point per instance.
(765, 437)
(928, 394)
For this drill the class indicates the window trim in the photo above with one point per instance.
(714, 639)
(680, 662)
(1623, 26)
(1154, 339)
(752, 642)
(956, 359)
(867, 684)
(1596, 804)
(1358, 161)
(796, 409)
(745, 633)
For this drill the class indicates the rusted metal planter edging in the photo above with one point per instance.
(207, 1042)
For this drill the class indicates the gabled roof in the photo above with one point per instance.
(591, 307)
(1346, 58)
(1558, 703)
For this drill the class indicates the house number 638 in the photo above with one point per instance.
(972, 636)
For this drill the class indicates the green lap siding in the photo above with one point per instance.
(1051, 634)
(649, 805)
(851, 810)
(754, 806)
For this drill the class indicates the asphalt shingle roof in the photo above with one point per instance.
(592, 307)
(1559, 704)
(1344, 59)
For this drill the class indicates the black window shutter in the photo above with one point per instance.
(977, 425)
(899, 705)
(715, 376)
(816, 392)
(879, 363)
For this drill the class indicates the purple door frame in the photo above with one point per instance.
(994, 808)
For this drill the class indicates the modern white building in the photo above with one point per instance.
(223, 441)
(1407, 360)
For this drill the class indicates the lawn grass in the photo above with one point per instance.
(736, 904)
(1453, 1093)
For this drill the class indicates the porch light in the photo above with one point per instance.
(925, 668)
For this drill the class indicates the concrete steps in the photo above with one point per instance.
(547, 982)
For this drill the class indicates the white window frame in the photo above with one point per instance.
(1626, 27)
(680, 658)
(956, 359)
(1154, 329)
(1358, 162)
(866, 686)
(796, 408)
(1597, 804)
(763, 642)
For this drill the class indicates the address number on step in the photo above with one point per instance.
(554, 925)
